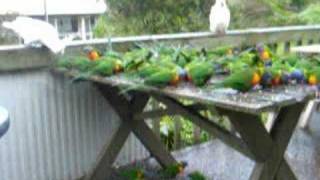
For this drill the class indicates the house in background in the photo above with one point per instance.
(75, 18)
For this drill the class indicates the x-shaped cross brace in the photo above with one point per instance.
(126, 107)
(267, 149)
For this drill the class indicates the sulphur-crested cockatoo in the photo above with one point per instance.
(36, 31)
(219, 17)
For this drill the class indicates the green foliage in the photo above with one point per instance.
(311, 15)
(159, 16)
(133, 174)
(134, 17)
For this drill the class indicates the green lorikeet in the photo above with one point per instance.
(242, 80)
(107, 67)
(314, 76)
(81, 63)
(196, 176)
(222, 51)
(163, 78)
(199, 72)
(147, 70)
(135, 58)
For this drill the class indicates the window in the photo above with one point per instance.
(74, 24)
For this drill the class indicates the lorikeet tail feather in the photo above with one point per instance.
(81, 77)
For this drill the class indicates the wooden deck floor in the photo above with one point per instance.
(217, 161)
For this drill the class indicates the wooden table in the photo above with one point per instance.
(266, 149)
(314, 104)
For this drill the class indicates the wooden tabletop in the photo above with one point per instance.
(310, 49)
(252, 102)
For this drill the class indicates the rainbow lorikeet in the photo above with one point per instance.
(163, 78)
(291, 60)
(107, 67)
(197, 176)
(242, 80)
(81, 64)
(299, 72)
(92, 53)
(272, 76)
(199, 72)
(173, 170)
(185, 56)
(135, 58)
(314, 76)
(263, 52)
(222, 51)
(147, 70)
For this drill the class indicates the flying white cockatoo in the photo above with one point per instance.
(219, 17)
(37, 31)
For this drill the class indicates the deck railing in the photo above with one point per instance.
(19, 57)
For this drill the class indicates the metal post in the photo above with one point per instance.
(45, 10)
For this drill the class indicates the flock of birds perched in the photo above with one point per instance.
(162, 66)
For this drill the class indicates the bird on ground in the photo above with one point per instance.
(219, 17)
(37, 31)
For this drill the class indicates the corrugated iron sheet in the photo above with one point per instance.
(57, 128)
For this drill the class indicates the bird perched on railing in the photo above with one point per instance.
(219, 17)
(36, 31)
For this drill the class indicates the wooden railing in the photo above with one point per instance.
(279, 38)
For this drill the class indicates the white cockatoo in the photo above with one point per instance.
(37, 31)
(219, 17)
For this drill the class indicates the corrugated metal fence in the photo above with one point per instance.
(57, 128)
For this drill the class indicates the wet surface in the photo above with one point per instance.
(219, 162)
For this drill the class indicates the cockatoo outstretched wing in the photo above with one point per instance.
(219, 17)
(33, 30)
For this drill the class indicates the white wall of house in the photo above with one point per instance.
(80, 26)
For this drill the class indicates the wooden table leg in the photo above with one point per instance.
(126, 107)
(103, 166)
(270, 147)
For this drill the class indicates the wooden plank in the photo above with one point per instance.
(307, 113)
(126, 107)
(285, 172)
(269, 148)
(152, 143)
(165, 112)
(103, 165)
(207, 125)
(281, 134)
(252, 131)
(177, 132)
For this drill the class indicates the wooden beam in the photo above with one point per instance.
(206, 125)
(269, 147)
(166, 112)
(103, 166)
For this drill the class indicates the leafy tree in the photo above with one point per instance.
(130, 17)
(134, 17)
